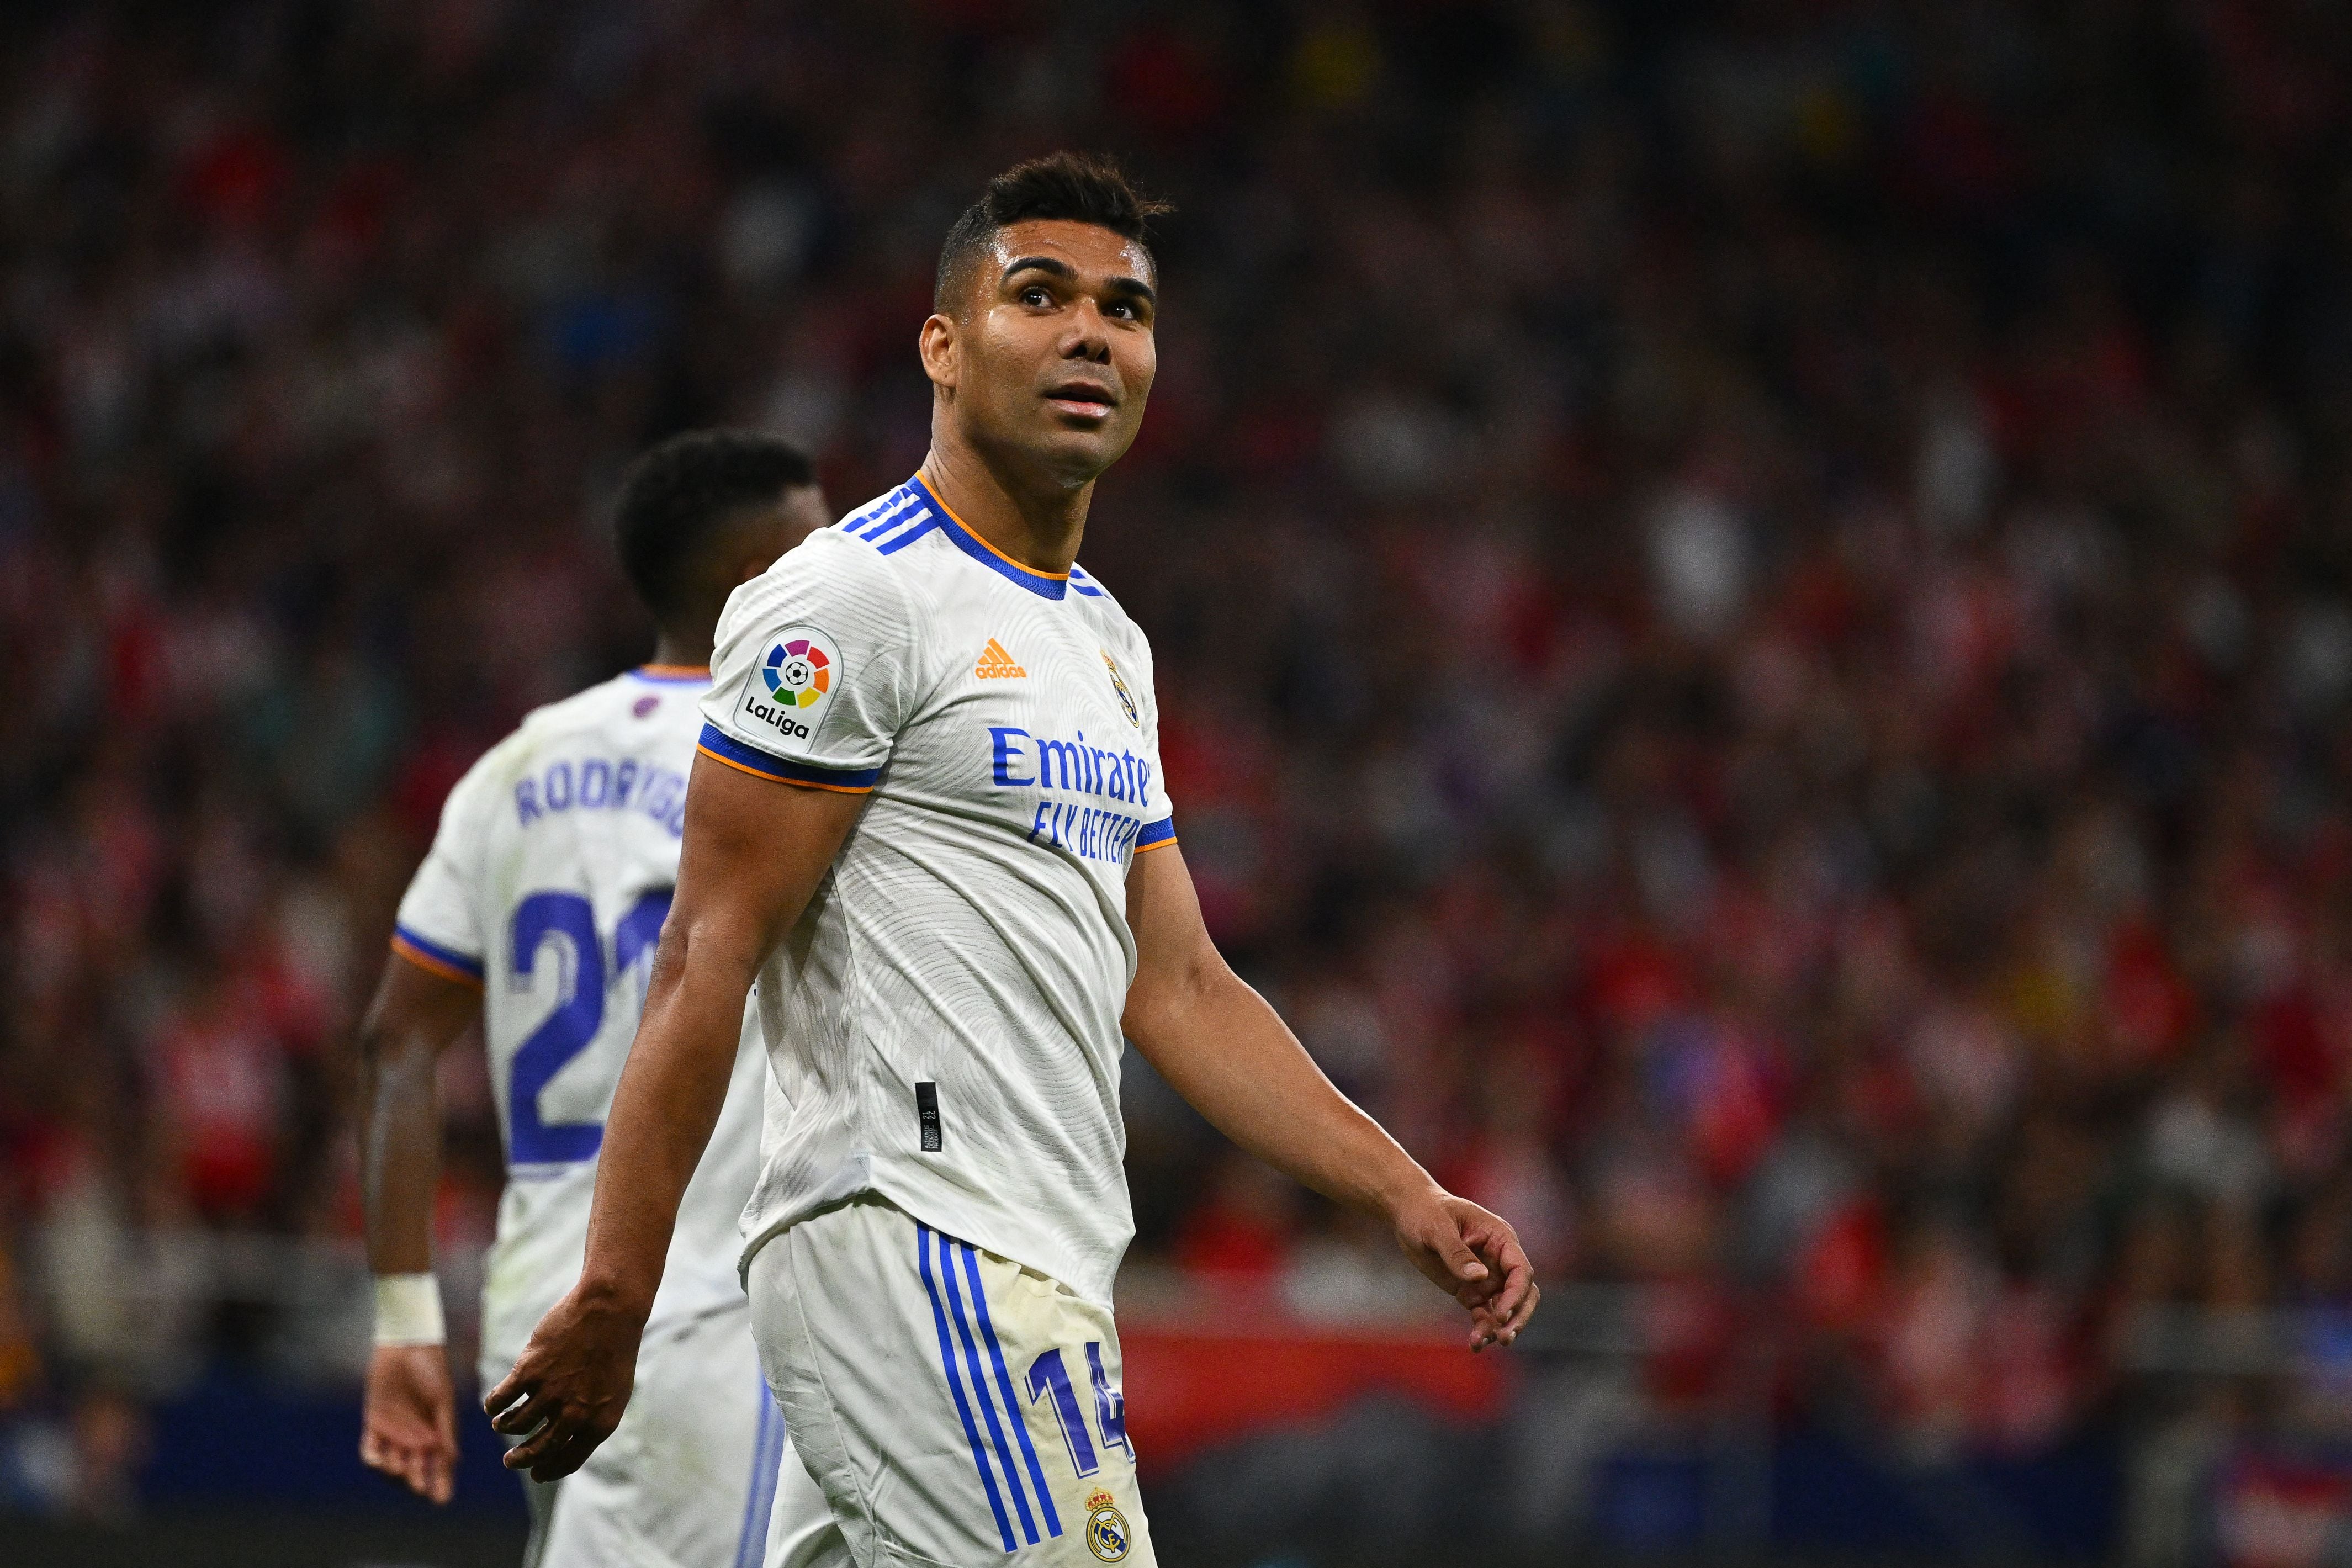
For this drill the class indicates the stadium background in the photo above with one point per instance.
(1752, 605)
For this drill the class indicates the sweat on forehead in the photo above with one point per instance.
(1067, 192)
(1071, 250)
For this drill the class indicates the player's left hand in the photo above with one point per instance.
(407, 1427)
(570, 1385)
(1473, 1255)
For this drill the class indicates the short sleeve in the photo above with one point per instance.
(1159, 812)
(814, 671)
(439, 927)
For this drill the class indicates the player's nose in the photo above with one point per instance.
(1088, 338)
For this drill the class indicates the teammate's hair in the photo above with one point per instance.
(1076, 186)
(676, 499)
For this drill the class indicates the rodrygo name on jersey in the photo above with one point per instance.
(546, 884)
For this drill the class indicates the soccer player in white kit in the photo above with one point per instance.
(929, 816)
(536, 912)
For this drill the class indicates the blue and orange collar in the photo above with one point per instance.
(1045, 585)
(914, 510)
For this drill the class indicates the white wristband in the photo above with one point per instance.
(407, 1309)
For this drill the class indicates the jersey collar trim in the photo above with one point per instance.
(1045, 585)
(674, 674)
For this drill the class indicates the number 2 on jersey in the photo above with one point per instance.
(542, 921)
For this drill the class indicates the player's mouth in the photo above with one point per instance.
(1084, 399)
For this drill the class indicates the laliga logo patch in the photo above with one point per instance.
(795, 678)
(1106, 1535)
(797, 672)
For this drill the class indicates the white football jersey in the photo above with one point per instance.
(944, 1019)
(546, 884)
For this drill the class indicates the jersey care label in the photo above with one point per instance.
(926, 1115)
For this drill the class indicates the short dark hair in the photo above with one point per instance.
(676, 498)
(1075, 186)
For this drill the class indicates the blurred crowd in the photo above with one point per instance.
(1753, 603)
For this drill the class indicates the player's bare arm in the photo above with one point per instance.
(409, 1428)
(752, 856)
(1220, 1045)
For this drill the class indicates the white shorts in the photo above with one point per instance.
(699, 1473)
(956, 1407)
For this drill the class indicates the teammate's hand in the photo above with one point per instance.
(569, 1386)
(1474, 1257)
(408, 1428)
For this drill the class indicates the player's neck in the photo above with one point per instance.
(1038, 524)
(673, 652)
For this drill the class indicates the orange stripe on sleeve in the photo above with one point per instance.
(432, 965)
(779, 778)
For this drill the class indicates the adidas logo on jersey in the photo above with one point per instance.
(995, 664)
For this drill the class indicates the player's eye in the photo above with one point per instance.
(1036, 294)
(1123, 308)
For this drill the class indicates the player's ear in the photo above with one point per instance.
(940, 346)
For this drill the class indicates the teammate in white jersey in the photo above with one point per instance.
(536, 912)
(929, 817)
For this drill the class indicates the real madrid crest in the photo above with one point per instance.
(1126, 698)
(1106, 1535)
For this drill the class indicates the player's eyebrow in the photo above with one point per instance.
(1053, 264)
(1058, 268)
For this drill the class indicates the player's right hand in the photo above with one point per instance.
(1474, 1257)
(569, 1386)
(408, 1428)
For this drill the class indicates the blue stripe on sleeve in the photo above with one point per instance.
(1158, 832)
(752, 760)
(449, 957)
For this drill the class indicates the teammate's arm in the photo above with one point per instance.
(754, 854)
(1220, 1045)
(408, 1426)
